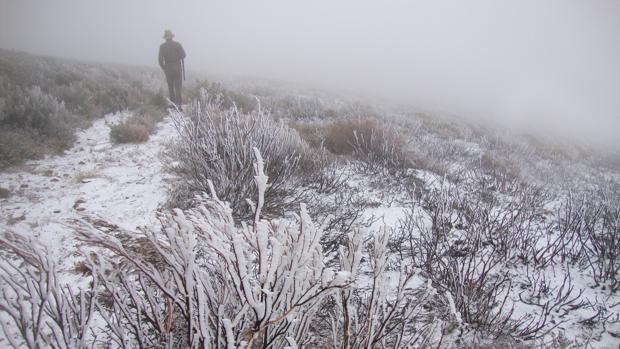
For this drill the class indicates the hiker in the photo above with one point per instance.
(171, 55)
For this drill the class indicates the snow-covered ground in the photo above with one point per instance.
(123, 183)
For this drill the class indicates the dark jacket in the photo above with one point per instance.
(170, 55)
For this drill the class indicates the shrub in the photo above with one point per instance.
(216, 145)
(595, 219)
(312, 133)
(219, 95)
(199, 280)
(467, 245)
(300, 108)
(498, 167)
(46, 99)
(17, 145)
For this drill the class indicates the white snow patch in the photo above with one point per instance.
(124, 184)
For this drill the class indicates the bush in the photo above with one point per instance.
(216, 144)
(300, 108)
(497, 167)
(34, 123)
(312, 133)
(199, 280)
(17, 145)
(468, 245)
(219, 95)
(46, 99)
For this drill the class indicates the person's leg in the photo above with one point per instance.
(170, 81)
(178, 85)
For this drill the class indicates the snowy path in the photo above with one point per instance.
(122, 183)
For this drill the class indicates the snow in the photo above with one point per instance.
(122, 183)
(125, 184)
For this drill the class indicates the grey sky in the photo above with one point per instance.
(532, 63)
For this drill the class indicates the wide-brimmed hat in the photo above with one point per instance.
(168, 34)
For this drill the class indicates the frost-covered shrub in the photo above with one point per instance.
(604, 254)
(302, 108)
(226, 98)
(46, 114)
(31, 121)
(201, 280)
(458, 258)
(17, 145)
(312, 133)
(500, 168)
(598, 226)
(468, 243)
(221, 284)
(384, 308)
(46, 99)
(40, 310)
(215, 144)
(32, 108)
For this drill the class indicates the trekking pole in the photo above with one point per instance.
(183, 67)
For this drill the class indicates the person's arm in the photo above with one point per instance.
(161, 58)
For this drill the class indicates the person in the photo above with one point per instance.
(171, 56)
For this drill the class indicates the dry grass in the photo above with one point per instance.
(371, 141)
(340, 135)
(376, 144)
(129, 133)
(138, 127)
(4, 193)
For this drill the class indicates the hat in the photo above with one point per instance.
(168, 34)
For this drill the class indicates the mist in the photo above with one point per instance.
(536, 66)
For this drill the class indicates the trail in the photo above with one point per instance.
(123, 183)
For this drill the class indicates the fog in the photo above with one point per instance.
(527, 64)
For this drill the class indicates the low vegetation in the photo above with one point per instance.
(216, 147)
(137, 127)
(43, 100)
(4, 193)
(196, 282)
(226, 98)
(269, 238)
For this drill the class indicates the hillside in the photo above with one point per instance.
(43, 100)
(261, 217)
